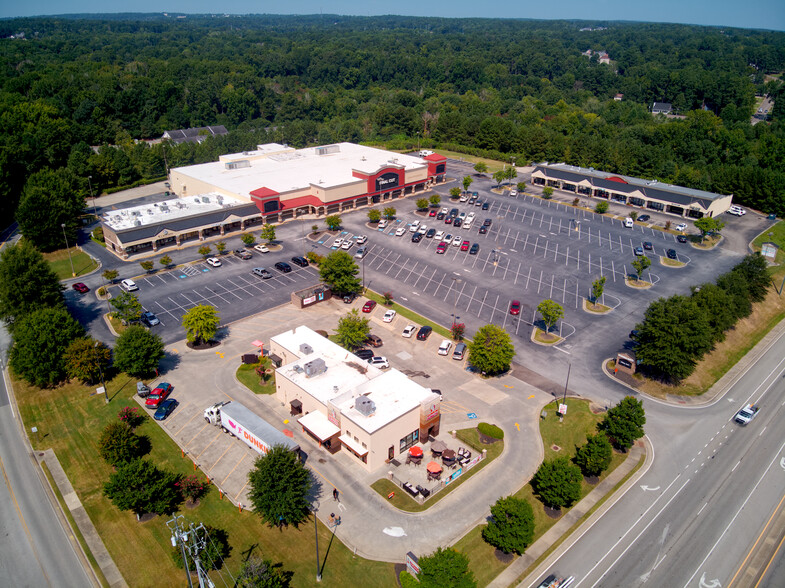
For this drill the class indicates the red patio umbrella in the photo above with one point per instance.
(415, 451)
(434, 467)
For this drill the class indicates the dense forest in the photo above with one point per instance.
(78, 94)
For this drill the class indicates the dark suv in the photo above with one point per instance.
(284, 267)
(364, 354)
(424, 333)
(299, 260)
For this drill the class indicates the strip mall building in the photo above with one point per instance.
(272, 184)
(345, 404)
(635, 192)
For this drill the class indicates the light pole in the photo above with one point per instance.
(512, 170)
(455, 282)
(567, 383)
(101, 372)
(89, 183)
(315, 507)
(73, 273)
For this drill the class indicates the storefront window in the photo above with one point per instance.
(409, 440)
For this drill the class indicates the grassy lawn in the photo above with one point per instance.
(776, 234)
(403, 501)
(58, 261)
(248, 377)
(410, 314)
(578, 422)
(70, 419)
(117, 325)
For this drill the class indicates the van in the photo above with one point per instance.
(460, 351)
(629, 223)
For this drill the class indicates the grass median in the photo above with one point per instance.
(410, 314)
(60, 263)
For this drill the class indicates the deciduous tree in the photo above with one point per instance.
(138, 351)
(467, 182)
(127, 307)
(340, 271)
(446, 568)
(491, 350)
(27, 282)
(390, 212)
(597, 288)
(216, 549)
(374, 215)
(547, 192)
(481, 168)
(601, 207)
(165, 261)
(205, 250)
(352, 331)
(201, 323)
(511, 528)
(279, 486)
(263, 573)
(422, 203)
(220, 247)
(708, 224)
(141, 487)
(558, 482)
(118, 444)
(455, 192)
(247, 238)
(146, 265)
(640, 264)
(595, 456)
(268, 233)
(86, 359)
(623, 424)
(333, 222)
(434, 199)
(551, 312)
(110, 275)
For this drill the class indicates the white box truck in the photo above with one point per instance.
(254, 431)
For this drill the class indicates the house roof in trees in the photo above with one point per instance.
(194, 135)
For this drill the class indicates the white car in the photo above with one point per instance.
(457, 241)
(467, 225)
(464, 198)
(361, 252)
(737, 210)
(379, 361)
(213, 261)
(347, 244)
(389, 316)
(439, 235)
(444, 210)
(447, 238)
(414, 226)
(409, 331)
(338, 242)
(382, 223)
(400, 232)
(681, 227)
(445, 347)
(470, 217)
(513, 192)
(129, 285)
(462, 216)
(261, 248)
(423, 229)
(362, 239)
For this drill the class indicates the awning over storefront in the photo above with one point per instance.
(318, 426)
(353, 445)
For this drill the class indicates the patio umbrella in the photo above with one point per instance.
(415, 451)
(434, 467)
(448, 454)
(438, 446)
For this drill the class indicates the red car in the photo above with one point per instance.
(515, 307)
(369, 306)
(81, 288)
(432, 213)
(159, 393)
(465, 246)
(441, 248)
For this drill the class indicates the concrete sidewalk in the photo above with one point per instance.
(557, 531)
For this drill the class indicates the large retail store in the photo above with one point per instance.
(271, 184)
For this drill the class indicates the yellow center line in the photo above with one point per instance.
(768, 565)
(749, 553)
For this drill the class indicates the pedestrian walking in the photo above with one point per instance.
(335, 494)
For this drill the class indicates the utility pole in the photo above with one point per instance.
(196, 546)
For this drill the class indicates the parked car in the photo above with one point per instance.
(457, 222)
(149, 319)
(159, 394)
(165, 409)
(262, 272)
(445, 346)
(681, 227)
(639, 251)
(629, 223)
(682, 238)
(382, 223)
(362, 239)
(462, 216)
(81, 288)
(465, 246)
(400, 232)
(213, 262)
(283, 267)
(448, 220)
(439, 235)
(414, 226)
(515, 307)
(422, 229)
(349, 298)
(142, 390)
(513, 192)
(408, 331)
(379, 361)
(389, 316)
(432, 212)
(463, 198)
(369, 305)
(483, 230)
(644, 218)
(365, 354)
(361, 252)
(454, 212)
(337, 243)
(129, 285)
(487, 222)
(243, 253)
(460, 351)
(671, 253)
(417, 237)
(424, 333)
(374, 340)
(456, 242)
(262, 248)
(485, 206)
(480, 203)
(299, 260)
(347, 244)
(441, 248)
(444, 210)
(447, 238)
(647, 245)
(440, 216)
(474, 249)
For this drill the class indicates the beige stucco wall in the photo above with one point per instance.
(379, 442)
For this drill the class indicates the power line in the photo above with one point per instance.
(194, 548)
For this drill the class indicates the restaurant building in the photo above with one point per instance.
(345, 404)
(271, 184)
(634, 192)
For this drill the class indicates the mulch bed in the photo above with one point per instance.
(147, 517)
(399, 567)
(191, 504)
(554, 513)
(205, 345)
(503, 557)
(592, 480)
(485, 440)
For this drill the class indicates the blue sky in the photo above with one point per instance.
(768, 14)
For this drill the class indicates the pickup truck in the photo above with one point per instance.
(746, 414)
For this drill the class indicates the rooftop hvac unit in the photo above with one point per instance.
(205, 199)
(138, 223)
(298, 369)
(365, 406)
(315, 367)
(220, 199)
(306, 349)
(196, 199)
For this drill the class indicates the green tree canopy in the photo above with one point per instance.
(118, 444)
(551, 312)
(41, 339)
(597, 288)
(201, 323)
(623, 424)
(446, 568)
(27, 282)
(708, 224)
(352, 331)
(279, 486)
(86, 359)
(333, 222)
(216, 549)
(480, 168)
(434, 199)
(640, 264)
(511, 528)
(262, 573)
(374, 215)
(138, 351)
(595, 456)
(110, 275)
(558, 482)
(756, 274)
(390, 212)
(268, 233)
(141, 487)
(455, 192)
(491, 350)
(422, 203)
(340, 271)
(127, 307)
(467, 182)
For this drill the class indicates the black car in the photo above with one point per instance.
(243, 253)
(474, 249)
(149, 319)
(643, 218)
(485, 205)
(417, 237)
(299, 260)
(483, 230)
(487, 222)
(424, 333)
(454, 212)
(671, 253)
(647, 245)
(349, 298)
(681, 238)
(457, 222)
(430, 233)
(440, 216)
(364, 354)
(284, 267)
(164, 409)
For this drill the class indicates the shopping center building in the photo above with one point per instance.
(634, 192)
(345, 404)
(271, 184)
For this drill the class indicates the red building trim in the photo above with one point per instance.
(616, 179)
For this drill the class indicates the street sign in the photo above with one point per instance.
(562, 409)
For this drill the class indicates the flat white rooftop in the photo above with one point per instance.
(173, 209)
(283, 169)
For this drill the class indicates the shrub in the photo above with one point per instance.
(314, 257)
(98, 234)
(457, 330)
(387, 298)
(576, 201)
(131, 416)
(118, 444)
(407, 580)
(601, 208)
(192, 487)
(101, 291)
(490, 431)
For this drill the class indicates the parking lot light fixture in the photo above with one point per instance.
(455, 282)
(101, 372)
(73, 273)
(314, 508)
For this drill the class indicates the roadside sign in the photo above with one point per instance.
(562, 409)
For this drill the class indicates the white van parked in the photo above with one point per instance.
(737, 210)
(629, 223)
